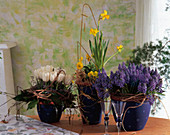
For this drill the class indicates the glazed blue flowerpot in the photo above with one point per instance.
(49, 113)
(135, 118)
(91, 110)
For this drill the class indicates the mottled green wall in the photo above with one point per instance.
(46, 31)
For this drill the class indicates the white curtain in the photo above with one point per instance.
(151, 21)
(143, 21)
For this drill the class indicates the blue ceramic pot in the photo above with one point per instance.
(135, 118)
(91, 109)
(49, 113)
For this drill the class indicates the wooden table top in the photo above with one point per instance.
(154, 126)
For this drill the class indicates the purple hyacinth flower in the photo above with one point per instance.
(142, 87)
(101, 83)
(152, 85)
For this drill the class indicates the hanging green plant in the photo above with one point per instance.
(154, 55)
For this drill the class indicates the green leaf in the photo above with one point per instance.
(154, 92)
(32, 104)
(56, 99)
(105, 50)
(96, 49)
(19, 97)
(91, 47)
(100, 51)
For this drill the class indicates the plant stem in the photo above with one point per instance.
(110, 58)
(82, 22)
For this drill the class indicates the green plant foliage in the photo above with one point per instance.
(99, 50)
(154, 54)
(167, 5)
(52, 94)
(24, 96)
(32, 104)
(89, 67)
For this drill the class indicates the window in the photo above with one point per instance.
(152, 20)
(152, 23)
(161, 19)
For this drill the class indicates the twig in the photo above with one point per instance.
(82, 15)
(5, 102)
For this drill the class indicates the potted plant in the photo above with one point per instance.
(86, 75)
(136, 86)
(154, 54)
(89, 102)
(51, 91)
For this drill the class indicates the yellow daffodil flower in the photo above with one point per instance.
(88, 57)
(91, 31)
(95, 73)
(94, 31)
(81, 59)
(90, 74)
(79, 65)
(104, 15)
(119, 48)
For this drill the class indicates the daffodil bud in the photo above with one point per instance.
(68, 79)
(45, 76)
(60, 78)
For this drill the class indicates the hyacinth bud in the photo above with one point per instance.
(49, 68)
(120, 67)
(45, 76)
(60, 78)
(68, 79)
(142, 87)
(123, 65)
(53, 76)
(36, 73)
